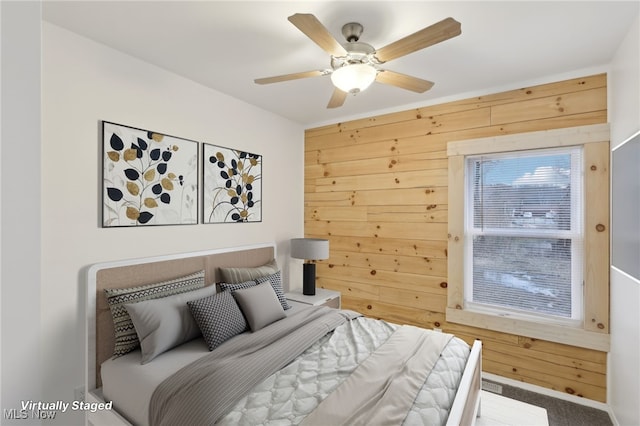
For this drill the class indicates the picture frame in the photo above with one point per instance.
(232, 185)
(149, 178)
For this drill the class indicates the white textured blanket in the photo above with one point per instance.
(288, 396)
(382, 389)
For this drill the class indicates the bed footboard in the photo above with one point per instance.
(466, 405)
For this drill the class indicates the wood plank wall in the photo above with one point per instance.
(377, 189)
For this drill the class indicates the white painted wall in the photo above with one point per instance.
(624, 358)
(20, 205)
(83, 83)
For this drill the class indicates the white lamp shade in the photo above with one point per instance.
(353, 78)
(309, 248)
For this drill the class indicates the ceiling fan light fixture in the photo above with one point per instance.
(353, 78)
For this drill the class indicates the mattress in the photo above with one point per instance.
(287, 396)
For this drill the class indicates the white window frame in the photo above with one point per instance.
(590, 332)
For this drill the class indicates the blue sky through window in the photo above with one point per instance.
(529, 170)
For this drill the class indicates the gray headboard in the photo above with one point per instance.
(135, 272)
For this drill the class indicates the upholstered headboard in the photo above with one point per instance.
(135, 272)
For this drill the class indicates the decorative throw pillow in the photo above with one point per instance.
(218, 317)
(126, 338)
(162, 324)
(276, 283)
(274, 279)
(237, 286)
(260, 305)
(239, 275)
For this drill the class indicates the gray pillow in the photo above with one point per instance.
(162, 324)
(238, 275)
(276, 282)
(218, 317)
(274, 279)
(126, 338)
(260, 305)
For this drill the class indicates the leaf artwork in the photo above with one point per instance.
(149, 178)
(232, 182)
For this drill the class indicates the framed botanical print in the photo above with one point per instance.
(232, 185)
(149, 178)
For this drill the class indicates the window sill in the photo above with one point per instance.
(572, 336)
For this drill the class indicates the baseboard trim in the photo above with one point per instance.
(550, 392)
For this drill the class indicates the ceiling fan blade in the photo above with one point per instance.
(436, 33)
(312, 28)
(403, 81)
(337, 98)
(287, 77)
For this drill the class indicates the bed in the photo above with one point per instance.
(297, 367)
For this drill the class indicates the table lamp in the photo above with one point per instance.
(309, 249)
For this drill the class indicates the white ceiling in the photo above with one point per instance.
(226, 45)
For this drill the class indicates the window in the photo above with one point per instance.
(528, 249)
(524, 233)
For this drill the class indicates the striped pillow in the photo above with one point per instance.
(240, 275)
(126, 339)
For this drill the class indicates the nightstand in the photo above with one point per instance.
(322, 297)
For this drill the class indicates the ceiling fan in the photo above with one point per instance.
(355, 65)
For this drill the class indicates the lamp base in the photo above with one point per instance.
(309, 279)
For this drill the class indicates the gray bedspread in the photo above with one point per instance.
(233, 369)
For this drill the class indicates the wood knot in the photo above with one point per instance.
(527, 345)
(600, 227)
(569, 391)
(373, 272)
(456, 239)
(594, 167)
(369, 307)
(458, 307)
(444, 284)
(437, 324)
(601, 326)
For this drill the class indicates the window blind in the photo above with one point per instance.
(523, 232)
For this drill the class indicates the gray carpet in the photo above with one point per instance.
(560, 412)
